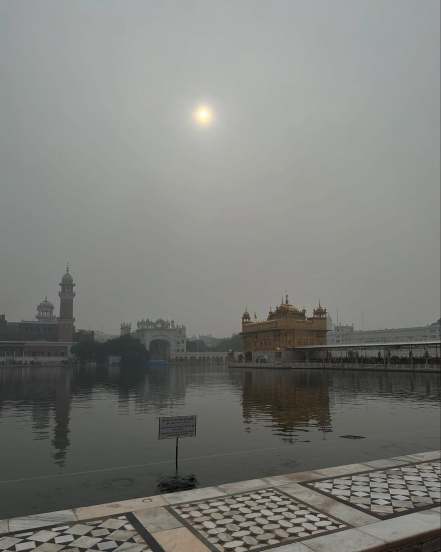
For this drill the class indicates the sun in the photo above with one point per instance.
(203, 115)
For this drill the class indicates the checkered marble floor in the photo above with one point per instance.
(386, 493)
(114, 534)
(253, 521)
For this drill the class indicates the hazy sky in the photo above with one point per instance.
(320, 176)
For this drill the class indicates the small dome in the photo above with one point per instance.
(45, 305)
(287, 308)
(45, 311)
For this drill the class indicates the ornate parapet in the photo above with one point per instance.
(160, 323)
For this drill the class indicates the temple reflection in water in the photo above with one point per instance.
(292, 405)
(295, 401)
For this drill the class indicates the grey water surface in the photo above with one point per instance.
(72, 437)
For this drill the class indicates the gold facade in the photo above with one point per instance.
(285, 327)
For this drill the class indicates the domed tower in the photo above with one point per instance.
(45, 311)
(246, 318)
(66, 319)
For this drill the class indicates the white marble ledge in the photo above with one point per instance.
(195, 494)
(387, 463)
(243, 486)
(41, 520)
(421, 456)
(344, 470)
(404, 528)
(286, 479)
(406, 459)
(287, 482)
(121, 507)
(351, 540)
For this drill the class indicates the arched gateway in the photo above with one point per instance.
(159, 348)
(162, 338)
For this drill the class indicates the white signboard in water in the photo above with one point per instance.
(177, 426)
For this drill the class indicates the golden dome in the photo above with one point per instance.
(286, 310)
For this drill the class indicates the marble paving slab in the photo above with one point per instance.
(254, 520)
(111, 534)
(386, 493)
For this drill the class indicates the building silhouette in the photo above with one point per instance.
(47, 337)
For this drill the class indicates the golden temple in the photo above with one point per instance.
(285, 327)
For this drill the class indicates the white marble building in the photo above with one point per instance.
(345, 333)
(163, 338)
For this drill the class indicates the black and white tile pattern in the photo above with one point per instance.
(386, 493)
(113, 534)
(253, 521)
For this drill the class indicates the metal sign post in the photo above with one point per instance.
(177, 426)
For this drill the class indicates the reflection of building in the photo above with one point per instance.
(161, 337)
(285, 327)
(47, 336)
(345, 333)
(46, 392)
(63, 398)
(293, 400)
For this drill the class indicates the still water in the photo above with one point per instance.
(77, 436)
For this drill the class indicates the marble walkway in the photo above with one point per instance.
(391, 504)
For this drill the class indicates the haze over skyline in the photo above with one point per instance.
(320, 176)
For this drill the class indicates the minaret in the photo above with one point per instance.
(66, 319)
(126, 328)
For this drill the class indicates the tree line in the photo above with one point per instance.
(221, 345)
(130, 349)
